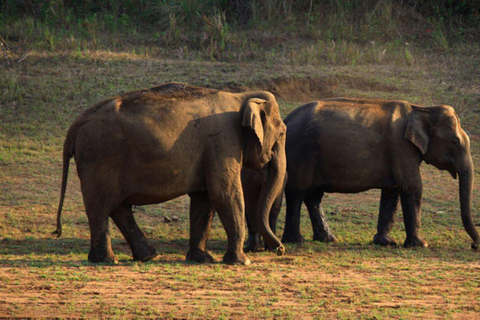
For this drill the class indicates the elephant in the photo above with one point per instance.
(347, 145)
(252, 181)
(152, 145)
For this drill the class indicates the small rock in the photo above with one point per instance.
(167, 219)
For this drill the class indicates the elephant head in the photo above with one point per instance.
(265, 146)
(437, 133)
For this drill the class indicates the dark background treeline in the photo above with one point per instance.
(223, 28)
(150, 12)
(157, 15)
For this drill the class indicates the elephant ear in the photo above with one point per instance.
(418, 128)
(252, 117)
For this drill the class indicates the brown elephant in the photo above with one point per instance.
(153, 145)
(352, 145)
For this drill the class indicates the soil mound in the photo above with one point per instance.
(308, 89)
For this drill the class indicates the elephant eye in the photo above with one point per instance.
(457, 141)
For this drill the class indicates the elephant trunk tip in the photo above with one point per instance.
(57, 232)
(280, 250)
(475, 245)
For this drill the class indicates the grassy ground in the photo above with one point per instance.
(41, 276)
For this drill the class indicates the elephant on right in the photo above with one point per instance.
(351, 145)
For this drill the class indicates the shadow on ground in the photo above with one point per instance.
(71, 251)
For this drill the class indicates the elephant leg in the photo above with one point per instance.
(100, 242)
(294, 199)
(411, 207)
(388, 208)
(321, 231)
(253, 243)
(125, 221)
(201, 217)
(227, 198)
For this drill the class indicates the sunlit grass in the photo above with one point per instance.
(42, 95)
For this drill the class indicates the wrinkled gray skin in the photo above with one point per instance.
(153, 145)
(348, 146)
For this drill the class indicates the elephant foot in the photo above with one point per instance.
(415, 242)
(145, 253)
(236, 258)
(325, 237)
(199, 256)
(98, 257)
(292, 238)
(253, 247)
(384, 240)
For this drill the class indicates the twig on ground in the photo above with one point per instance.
(23, 58)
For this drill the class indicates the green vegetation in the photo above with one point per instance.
(59, 57)
(348, 31)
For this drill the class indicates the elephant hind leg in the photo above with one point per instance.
(294, 199)
(388, 208)
(100, 242)
(201, 217)
(125, 221)
(253, 243)
(321, 231)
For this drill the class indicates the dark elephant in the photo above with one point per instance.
(352, 145)
(153, 145)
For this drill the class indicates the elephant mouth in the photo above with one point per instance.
(265, 158)
(453, 173)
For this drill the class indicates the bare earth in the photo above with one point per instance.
(280, 284)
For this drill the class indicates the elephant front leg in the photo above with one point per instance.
(388, 207)
(125, 221)
(294, 199)
(227, 198)
(411, 207)
(201, 217)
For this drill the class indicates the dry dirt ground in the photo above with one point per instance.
(161, 294)
(47, 277)
(271, 286)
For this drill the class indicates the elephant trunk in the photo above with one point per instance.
(270, 190)
(465, 187)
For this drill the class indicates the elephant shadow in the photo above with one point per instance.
(74, 251)
(49, 252)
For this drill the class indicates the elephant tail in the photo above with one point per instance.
(68, 151)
